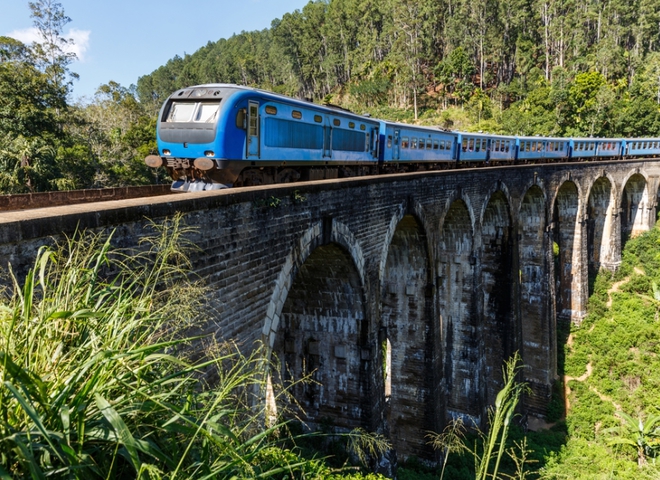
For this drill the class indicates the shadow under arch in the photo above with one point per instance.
(455, 281)
(319, 329)
(501, 338)
(601, 241)
(633, 207)
(407, 338)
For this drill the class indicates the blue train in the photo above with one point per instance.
(221, 135)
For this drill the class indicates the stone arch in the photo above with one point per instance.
(406, 336)
(322, 331)
(334, 231)
(317, 326)
(455, 283)
(601, 244)
(533, 308)
(567, 249)
(634, 207)
(497, 288)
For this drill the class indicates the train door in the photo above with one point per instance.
(327, 139)
(374, 143)
(395, 145)
(254, 130)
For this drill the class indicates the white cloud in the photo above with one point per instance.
(80, 39)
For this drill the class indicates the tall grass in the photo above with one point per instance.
(98, 379)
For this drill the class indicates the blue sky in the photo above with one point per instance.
(122, 40)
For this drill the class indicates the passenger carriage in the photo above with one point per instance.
(408, 143)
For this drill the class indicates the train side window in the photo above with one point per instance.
(465, 145)
(336, 122)
(271, 110)
(413, 143)
(404, 142)
(429, 144)
(296, 114)
(318, 118)
(362, 127)
(436, 145)
(389, 141)
(351, 124)
(240, 118)
(508, 146)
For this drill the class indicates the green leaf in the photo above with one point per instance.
(123, 433)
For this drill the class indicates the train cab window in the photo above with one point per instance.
(241, 118)
(436, 145)
(271, 110)
(296, 114)
(351, 124)
(404, 142)
(336, 122)
(389, 141)
(181, 112)
(318, 118)
(207, 112)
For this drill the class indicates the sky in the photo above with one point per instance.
(122, 40)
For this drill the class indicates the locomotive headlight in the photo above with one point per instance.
(209, 153)
(167, 152)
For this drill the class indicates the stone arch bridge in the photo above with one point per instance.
(401, 295)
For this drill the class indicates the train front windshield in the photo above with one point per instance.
(199, 112)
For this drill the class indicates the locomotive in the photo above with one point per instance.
(222, 135)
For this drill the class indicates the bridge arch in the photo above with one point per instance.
(406, 338)
(634, 205)
(319, 326)
(602, 239)
(567, 248)
(497, 288)
(533, 307)
(457, 310)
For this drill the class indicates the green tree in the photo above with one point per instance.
(51, 53)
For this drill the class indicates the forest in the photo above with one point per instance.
(527, 67)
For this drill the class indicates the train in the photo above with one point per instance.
(216, 136)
